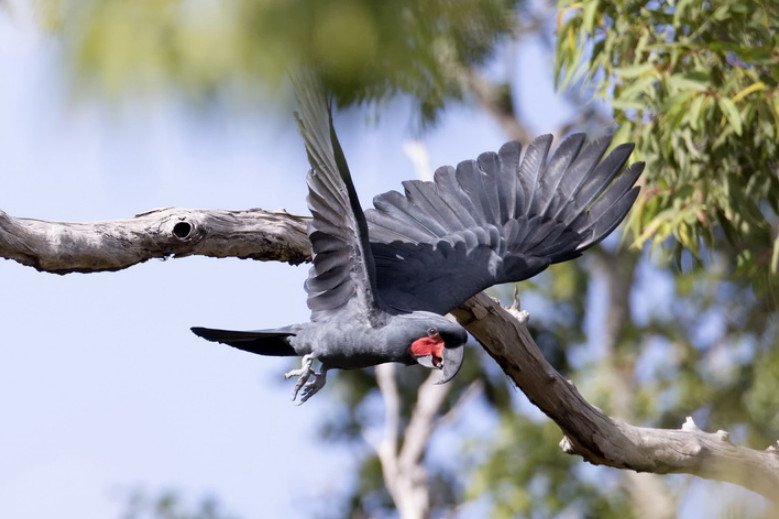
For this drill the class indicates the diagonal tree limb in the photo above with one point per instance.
(602, 440)
(104, 246)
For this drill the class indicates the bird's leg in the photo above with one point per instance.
(303, 373)
(305, 367)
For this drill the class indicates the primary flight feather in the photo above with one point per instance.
(381, 280)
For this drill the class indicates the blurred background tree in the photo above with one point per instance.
(209, 50)
(684, 322)
(169, 504)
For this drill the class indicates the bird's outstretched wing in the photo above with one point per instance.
(343, 269)
(496, 219)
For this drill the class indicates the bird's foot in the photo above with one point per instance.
(309, 387)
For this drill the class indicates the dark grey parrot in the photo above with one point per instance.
(382, 280)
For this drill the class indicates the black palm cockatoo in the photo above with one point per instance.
(382, 280)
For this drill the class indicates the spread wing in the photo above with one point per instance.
(343, 271)
(496, 219)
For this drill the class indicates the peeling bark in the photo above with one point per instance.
(278, 236)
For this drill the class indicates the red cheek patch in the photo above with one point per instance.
(429, 346)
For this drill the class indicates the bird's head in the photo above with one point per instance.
(434, 342)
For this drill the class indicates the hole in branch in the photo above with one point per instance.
(182, 229)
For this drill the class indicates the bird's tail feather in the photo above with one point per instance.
(262, 342)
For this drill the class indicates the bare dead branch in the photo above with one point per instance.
(387, 449)
(423, 419)
(257, 234)
(403, 469)
(602, 440)
(64, 248)
(385, 377)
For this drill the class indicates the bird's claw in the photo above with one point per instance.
(309, 387)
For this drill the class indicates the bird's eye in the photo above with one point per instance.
(431, 332)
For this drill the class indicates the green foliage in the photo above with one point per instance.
(525, 475)
(364, 49)
(696, 86)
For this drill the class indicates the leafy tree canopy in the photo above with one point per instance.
(696, 86)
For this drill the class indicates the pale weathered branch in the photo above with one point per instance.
(257, 234)
(406, 498)
(602, 440)
(403, 469)
(63, 248)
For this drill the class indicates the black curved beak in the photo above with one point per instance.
(453, 361)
